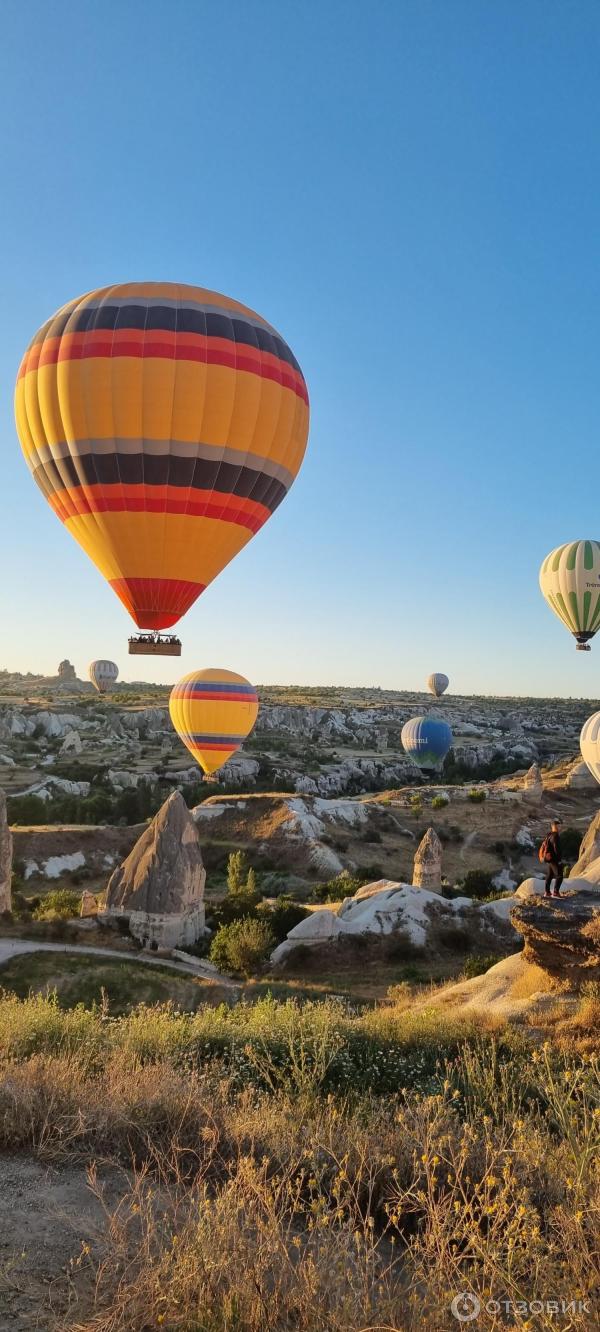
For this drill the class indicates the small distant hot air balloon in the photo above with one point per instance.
(103, 674)
(438, 683)
(570, 582)
(427, 740)
(213, 711)
(589, 744)
(164, 424)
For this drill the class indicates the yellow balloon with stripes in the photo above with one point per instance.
(570, 582)
(213, 711)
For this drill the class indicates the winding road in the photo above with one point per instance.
(195, 967)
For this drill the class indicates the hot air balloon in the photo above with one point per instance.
(570, 582)
(163, 424)
(103, 674)
(589, 744)
(438, 683)
(213, 711)
(427, 740)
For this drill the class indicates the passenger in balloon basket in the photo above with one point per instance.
(550, 852)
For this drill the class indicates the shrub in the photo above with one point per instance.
(476, 883)
(439, 802)
(242, 946)
(478, 964)
(477, 795)
(453, 938)
(62, 904)
(334, 890)
(282, 917)
(26, 809)
(570, 843)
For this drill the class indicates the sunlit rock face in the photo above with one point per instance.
(427, 869)
(562, 936)
(159, 888)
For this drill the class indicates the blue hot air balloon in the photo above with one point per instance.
(427, 740)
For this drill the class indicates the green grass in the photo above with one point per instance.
(91, 981)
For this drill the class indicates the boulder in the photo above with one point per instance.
(159, 888)
(531, 887)
(318, 928)
(89, 905)
(427, 869)
(5, 857)
(562, 936)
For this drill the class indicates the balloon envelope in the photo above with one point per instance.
(213, 711)
(589, 743)
(570, 582)
(427, 741)
(103, 674)
(438, 683)
(163, 424)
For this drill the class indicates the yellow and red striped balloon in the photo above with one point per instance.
(213, 712)
(163, 424)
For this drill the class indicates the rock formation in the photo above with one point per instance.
(66, 671)
(589, 851)
(159, 888)
(5, 857)
(318, 928)
(419, 916)
(89, 905)
(579, 778)
(562, 936)
(72, 743)
(532, 781)
(427, 870)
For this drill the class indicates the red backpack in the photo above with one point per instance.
(543, 853)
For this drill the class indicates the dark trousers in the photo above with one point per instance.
(553, 871)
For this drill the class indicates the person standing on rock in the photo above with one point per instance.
(553, 860)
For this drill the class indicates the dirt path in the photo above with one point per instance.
(13, 947)
(46, 1213)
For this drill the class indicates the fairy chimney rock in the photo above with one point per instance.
(427, 871)
(532, 781)
(5, 857)
(159, 888)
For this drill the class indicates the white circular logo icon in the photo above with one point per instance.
(465, 1307)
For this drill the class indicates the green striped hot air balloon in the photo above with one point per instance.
(570, 582)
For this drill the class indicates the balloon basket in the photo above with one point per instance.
(152, 645)
(582, 647)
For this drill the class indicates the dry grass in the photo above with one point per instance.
(265, 1203)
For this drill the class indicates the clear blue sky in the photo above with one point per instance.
(410, 191)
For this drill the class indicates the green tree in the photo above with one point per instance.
(237, 871)
(242, 945)
(251, 887)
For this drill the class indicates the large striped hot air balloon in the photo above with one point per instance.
(163, 424)
(213, 711)
(426, 740)
(589, 744)
(570, 582)
(438, 683)
(103, 674)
